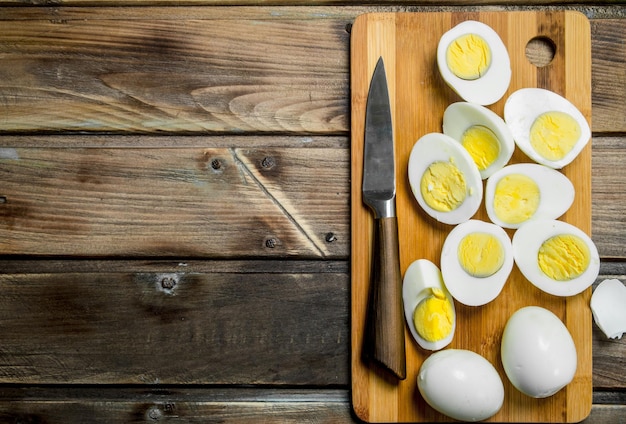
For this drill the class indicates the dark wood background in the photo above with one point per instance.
(174, 207)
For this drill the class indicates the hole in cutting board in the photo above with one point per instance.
(540, 51)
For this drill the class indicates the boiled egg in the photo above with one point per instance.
(461, 384)
(482, 133)
(608, 305)
(474, 62)
(556, 257)
(428, 306)
(547, 127)
(476, 260)
(538, 352)
(524, 191)
(444, 179)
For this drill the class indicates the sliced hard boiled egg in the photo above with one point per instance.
(476, 260)
(547, 127)
(556, 257)
(444, 179)
(524, 191)
(428, 306)
(608, 305)
(474, 62)
(482, 133)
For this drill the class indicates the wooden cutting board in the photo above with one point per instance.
(408, 43)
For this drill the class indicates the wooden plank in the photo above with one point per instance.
(208, 70)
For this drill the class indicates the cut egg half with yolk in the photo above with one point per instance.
(474, 62)
(547, 127)
(556, 257)
(428, 306)
(444, 179)
(476, 260)
(482, 133)
(524, 191)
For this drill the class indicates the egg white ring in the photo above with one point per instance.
(522, 109)
(460, 116)
(437, 147)
(556, 191)
(527, 241)
(465, 288)
(490, 87)
(421, 275)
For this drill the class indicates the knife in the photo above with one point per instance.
(384, 328)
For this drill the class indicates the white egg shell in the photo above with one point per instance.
(525, 105)
(608, 304)
(461, 384)
(434, 147)
(468, 289)
(526, 243)
(421, 275)
(460, 116)
(538, 352)
(491, 86)
(556, 191)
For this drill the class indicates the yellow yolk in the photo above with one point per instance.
(563, 257)
(443, 186)
(468, 57)
(433, 316)
(554, 134)
(516, 198)
(482, 145)
(480, 254)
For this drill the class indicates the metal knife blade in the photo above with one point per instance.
(384, 330)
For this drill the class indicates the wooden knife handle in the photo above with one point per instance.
(384, 329)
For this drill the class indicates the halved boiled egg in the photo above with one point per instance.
(428, 306)
(444, 179)
(474, 62)
(556, 257)
(476, 260)
(482, 133)
(524, 191)
(608, 304)
(547, 127)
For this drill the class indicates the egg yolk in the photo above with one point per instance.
(563, 257)
(482, 145)
(516, 198)
(480, 254)
(554, 134)
(468, 56)
(443, 186)
(433, 317)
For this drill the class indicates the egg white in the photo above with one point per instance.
(556, 191)
(608, 305)
(491, 86)
(465, 288)
(435, 147)
(459, 116)
(526, 243)
(524, 106)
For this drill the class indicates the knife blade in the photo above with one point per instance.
(384, 329)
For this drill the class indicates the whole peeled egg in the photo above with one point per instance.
(524, 191)
(482, 133)
(444, 179)
(556, 257)
(538, 352)
(461, 384)
(547, 127)
(474, 62)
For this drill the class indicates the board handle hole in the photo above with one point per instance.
(540, 51)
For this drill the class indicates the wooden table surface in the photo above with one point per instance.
(175, 207)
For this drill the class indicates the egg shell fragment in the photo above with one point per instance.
(538, 352)
(608, 305)
(556, 191)
(461, 384)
